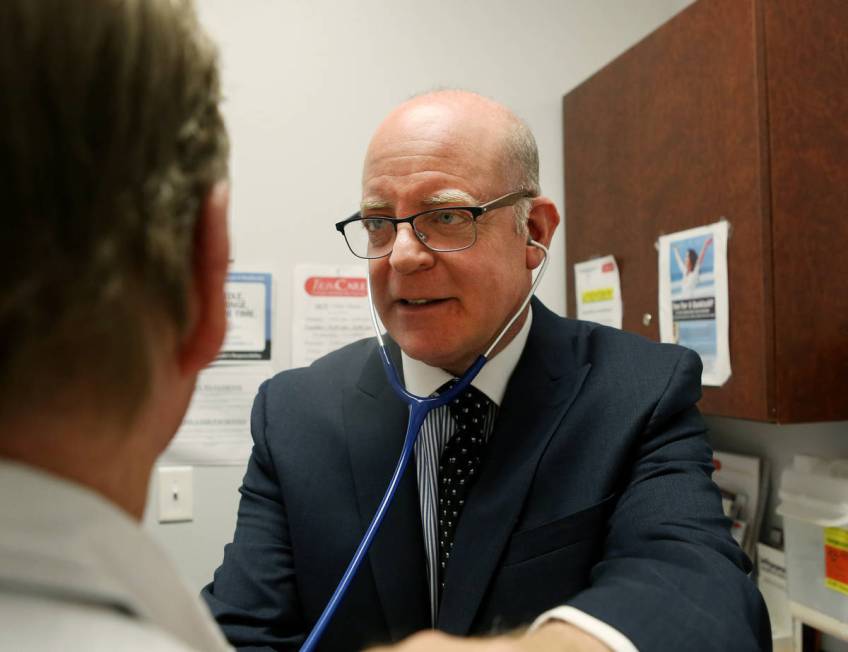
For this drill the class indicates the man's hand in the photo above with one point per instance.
(554, 636)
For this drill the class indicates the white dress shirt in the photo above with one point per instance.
(76, 573)
(424, 380)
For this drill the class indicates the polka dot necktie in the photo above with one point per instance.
(459, 464)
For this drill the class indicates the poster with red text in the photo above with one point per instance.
(330, 310)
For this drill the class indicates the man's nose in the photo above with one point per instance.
(409, 254)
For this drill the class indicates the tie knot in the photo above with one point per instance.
(471, 405)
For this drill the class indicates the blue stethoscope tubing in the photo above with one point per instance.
(419, 408)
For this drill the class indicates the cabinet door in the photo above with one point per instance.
(807, 55)
(671, 136)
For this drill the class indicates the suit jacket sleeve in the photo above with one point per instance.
(671, 577)
(253, 595)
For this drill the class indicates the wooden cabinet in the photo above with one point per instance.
(735, 109)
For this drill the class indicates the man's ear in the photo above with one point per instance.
(207, 301)
(541, 224)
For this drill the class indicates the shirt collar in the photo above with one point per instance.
(422, 380)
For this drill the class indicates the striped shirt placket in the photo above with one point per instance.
(437, 430)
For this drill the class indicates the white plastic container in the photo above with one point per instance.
(814, 505)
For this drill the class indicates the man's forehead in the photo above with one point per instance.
(435, 150)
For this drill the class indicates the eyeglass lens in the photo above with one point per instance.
(440, 230)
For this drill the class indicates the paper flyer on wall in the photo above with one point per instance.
(693, 298)
(216, 428)
(330, 310)
(248, 317)
(598, 291)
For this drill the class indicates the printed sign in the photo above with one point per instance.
(248, 317)
(330, 310)
(598, 289)
(693, 299)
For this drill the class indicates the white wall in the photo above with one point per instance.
(307, 81)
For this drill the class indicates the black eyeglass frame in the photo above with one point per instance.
(477, 212)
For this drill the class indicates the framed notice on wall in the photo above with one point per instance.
(248, 317)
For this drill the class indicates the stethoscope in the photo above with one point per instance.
(419, 408)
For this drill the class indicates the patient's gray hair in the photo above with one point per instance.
(111, 137)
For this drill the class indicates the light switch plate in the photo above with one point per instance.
(176, 494)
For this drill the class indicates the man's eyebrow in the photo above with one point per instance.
(451, 196)
(374, 204)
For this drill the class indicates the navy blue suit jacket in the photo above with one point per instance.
(595, 492)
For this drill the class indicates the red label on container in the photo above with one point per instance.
(836, 559)
(336, 286)
(607, 267)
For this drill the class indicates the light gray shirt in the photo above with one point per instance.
(76, 573)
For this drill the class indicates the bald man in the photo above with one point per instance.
(576, 501)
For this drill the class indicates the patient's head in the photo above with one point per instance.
(110, 141)
(112, 147)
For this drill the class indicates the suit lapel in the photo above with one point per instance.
(540, 391)
(375, 421)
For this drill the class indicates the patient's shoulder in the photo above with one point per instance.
(34, 623)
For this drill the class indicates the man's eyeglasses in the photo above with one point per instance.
(452, 228)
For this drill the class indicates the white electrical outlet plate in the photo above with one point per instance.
(176, 494)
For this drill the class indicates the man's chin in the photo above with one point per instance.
(439, 357)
